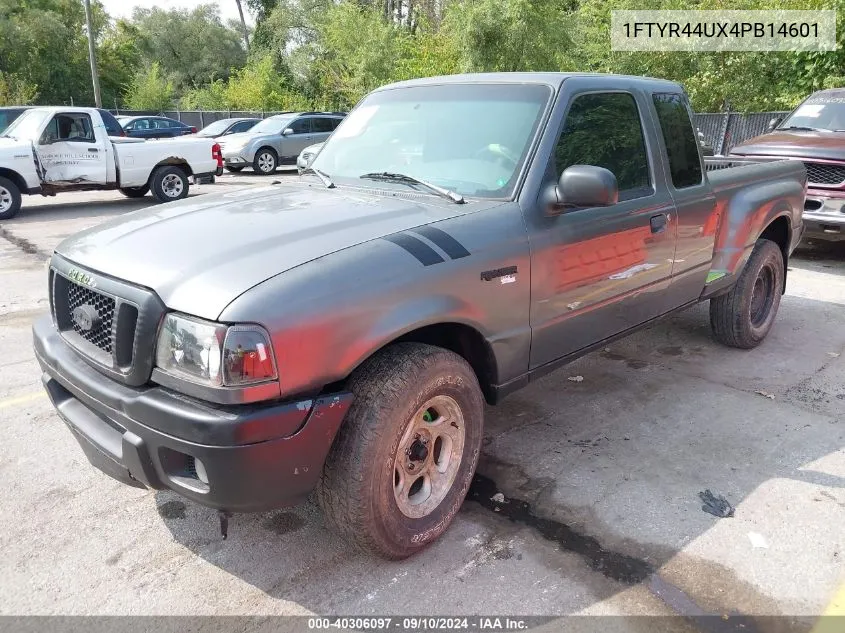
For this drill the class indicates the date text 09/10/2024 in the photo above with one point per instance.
(490, 624)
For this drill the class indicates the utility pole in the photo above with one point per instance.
(92, 54)
(243, 24)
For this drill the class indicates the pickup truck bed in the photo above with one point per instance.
(340, 332)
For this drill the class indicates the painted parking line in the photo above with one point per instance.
(11, 402)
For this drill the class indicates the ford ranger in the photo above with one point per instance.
(456, 238)
(57, 149)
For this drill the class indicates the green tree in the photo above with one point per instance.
(15, 91)
(150, 90)
(193, 48)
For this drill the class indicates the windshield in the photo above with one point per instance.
(273, 125)
(469, 138)
(27, 125)
(218, 127)
(818, 113)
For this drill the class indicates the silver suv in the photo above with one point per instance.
(277, 139)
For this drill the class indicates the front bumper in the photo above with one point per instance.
(234, 159)
(254, 457)
(824, 216)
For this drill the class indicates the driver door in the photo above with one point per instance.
(69, 150)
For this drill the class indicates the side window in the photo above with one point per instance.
(680, 138)
(322, 124)
(604, 130)
(110, 123)
(335, 122)
(72, 128)
(301, 126)
(243, 126)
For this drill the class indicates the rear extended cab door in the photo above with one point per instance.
(695, 202)
(73, 149)
(596, 272)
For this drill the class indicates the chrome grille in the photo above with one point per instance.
(824, 174)
(101, 335)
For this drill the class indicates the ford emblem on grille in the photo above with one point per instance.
(86, 317)
(82, 278)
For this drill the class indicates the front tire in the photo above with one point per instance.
(403, 460)
(265, 161)
(10, 199)
(135, 192)
(744, 316)
(169, 184)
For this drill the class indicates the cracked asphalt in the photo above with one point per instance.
(586, 501)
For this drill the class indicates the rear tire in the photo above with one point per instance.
(235, 169)
(265, 161)
(10, 199)
(169, 183)
(135, 192)
(403, 460)
(744, 316)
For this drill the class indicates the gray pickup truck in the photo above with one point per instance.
(340, 332)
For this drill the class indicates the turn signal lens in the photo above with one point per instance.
(247, 356)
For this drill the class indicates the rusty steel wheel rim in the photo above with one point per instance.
(429, 457)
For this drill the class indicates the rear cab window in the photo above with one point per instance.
(679, 138)
(604, 129)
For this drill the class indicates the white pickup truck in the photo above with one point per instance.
(57, 149)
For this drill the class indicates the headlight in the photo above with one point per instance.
(214, 355)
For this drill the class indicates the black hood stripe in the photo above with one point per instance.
(442, 240)
(416, 247)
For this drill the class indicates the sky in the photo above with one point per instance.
(123, 8)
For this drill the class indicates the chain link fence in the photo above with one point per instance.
(725, 130)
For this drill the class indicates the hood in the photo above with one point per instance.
(8, 144)
(243, 137)
(201, 253)
(795, 144)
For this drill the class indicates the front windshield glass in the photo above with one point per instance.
(272, 125)
(819, 113)
(214, 128)
(469, 138)
(27, 125)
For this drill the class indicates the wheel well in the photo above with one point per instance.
(268, 148)
(176, 162)
(16, 178)
(466, 342)
(779, 232)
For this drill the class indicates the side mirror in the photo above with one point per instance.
(773, 123)
(582, 186)
(287, 131)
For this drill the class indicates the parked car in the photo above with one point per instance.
(277, 139)
(224, 127)
(306, 156)
(813, 133)
(72, 153)
(148, 127)
(341, 331)
(9, 114)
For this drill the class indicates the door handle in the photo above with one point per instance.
(93, 149)
(658, 223)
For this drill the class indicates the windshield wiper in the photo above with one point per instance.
(800, 127)
(321, 175)
(387, 176)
